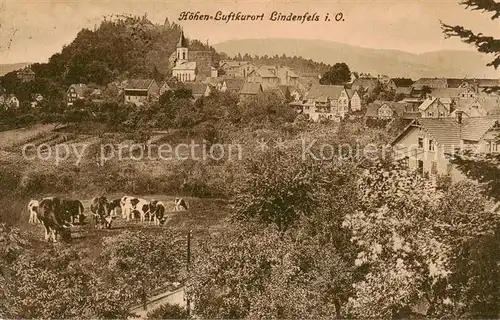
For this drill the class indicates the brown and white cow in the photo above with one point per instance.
(180, 204)
(32, 210)
(157, 212)
(54, 219)
(100, 208)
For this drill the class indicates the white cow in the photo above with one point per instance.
(180, 204)
(125, 206)
(136, 204)
(32, 209)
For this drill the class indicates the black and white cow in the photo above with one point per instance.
(32, 210)
(114, 204)
(54, 219)
(157, 212)
(100, 208)
(180, 204)
(139, 205)
(75, 209)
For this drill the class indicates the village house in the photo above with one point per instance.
(140, 91)
(76, 92)
(326, 101)
(250, 90)
(231, 85)
(434, 108)
(287, 76)
(164, 88)
(198, 89)
(427, 143)
(385, 110)
(191, 65)
(26, 75)
(266, 76)
(237, 69)
(478, 107)
(9, 101)
(354, 100)
(367, 83)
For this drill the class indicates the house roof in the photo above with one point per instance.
(428, 102)
(365, 82)
(412, 115)
(165, 86)
(490, 105)
(324, 92)
(446, 92)
(403, 90)
(402, 82)
(234, 84)
(350, 92)
(431, 83)
(475, 128)
(197, 88)
(482, 83)
(251, 88)
(398, 107)
(186, 65)
(138, 84)
(26, 70)
(265, 72)
(448, 133)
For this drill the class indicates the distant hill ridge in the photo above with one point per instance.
(394, 63)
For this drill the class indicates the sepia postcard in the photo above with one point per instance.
(249, 159)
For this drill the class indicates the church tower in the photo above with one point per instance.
(182, 49)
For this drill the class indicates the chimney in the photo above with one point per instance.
(459, 116)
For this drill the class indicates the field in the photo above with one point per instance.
(205, 216)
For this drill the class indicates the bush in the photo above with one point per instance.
(168, 311)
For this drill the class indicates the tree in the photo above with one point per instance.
(416, 246)
(339, 74)
(484, 44)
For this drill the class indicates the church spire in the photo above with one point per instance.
(182, 41)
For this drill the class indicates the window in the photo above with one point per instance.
(429, 114)
(433, 167)
(183, 56)
(441, 114)
(431, 145)
(493, 146)
(421, 143)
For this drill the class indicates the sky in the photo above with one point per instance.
(31, 31)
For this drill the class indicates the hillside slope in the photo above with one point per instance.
(393, 63)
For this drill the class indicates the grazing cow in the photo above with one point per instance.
(157, 212)
(136, 204)
(180, 204)
(32, 209)
(54, 218)
(102, 213)
(75, 209)
(115, 204)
